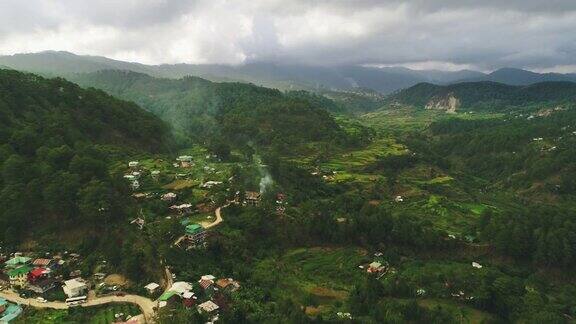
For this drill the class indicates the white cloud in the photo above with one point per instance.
(446, 34)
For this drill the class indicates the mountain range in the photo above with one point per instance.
(385, 80)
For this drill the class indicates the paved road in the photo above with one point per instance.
(15, 298)
(145, 304)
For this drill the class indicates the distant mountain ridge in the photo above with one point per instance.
(385, 80)
(513, 76)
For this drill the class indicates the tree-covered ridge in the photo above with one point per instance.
(488, 95)
(232, 113)
(55, 142)
(34, 109)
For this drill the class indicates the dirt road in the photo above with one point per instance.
(215, 222)
(206, 225)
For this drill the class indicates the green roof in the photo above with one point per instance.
(18, 260)
(19, 271)
(167, 295)
(3, 302)
(194, 228)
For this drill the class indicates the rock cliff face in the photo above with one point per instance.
(448, 103)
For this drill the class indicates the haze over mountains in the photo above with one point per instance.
(382, 79)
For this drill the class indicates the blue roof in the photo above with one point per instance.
(11, 313)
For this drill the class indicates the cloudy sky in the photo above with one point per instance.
(446, 34)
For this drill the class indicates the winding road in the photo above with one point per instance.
(147, 306)
(215, 222)
(206, 225)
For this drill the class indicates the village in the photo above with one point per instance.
(189, 191)
(45, 281)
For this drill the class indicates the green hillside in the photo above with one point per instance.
(487, 95)
(56, 142)
(232, 114)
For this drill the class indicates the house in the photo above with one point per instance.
(182, 209)
(75, 273)
(227, 285)
(184, 158)
(10, 312)
(476, 265)
(398, 199)
(210, 184)
(133, 164)
(207, 284)
(208, 277)
(3, 305)
(167, 297)
(43, 263)
(375, 267)
(75, 287)
(252, 198)
(185, 161)
(17, 261)
(208, 307)
(155, 174)
(37, 274)
(195, 234)
(135, 185)
(181, 287)
(151, 287)
(43, 285)
(168, 196)
(19, 277)
(189, 300)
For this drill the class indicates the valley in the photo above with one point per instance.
(289, 206)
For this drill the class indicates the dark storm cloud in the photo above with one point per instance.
(458, 33)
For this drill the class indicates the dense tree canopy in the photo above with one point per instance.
(54, 151)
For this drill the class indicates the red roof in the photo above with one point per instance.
(189, 302)
(38, 272)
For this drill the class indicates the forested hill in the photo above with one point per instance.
(225, 114)
(35, 109)
(485, 95)
(55, 142)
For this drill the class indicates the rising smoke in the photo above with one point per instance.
(266, 180)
